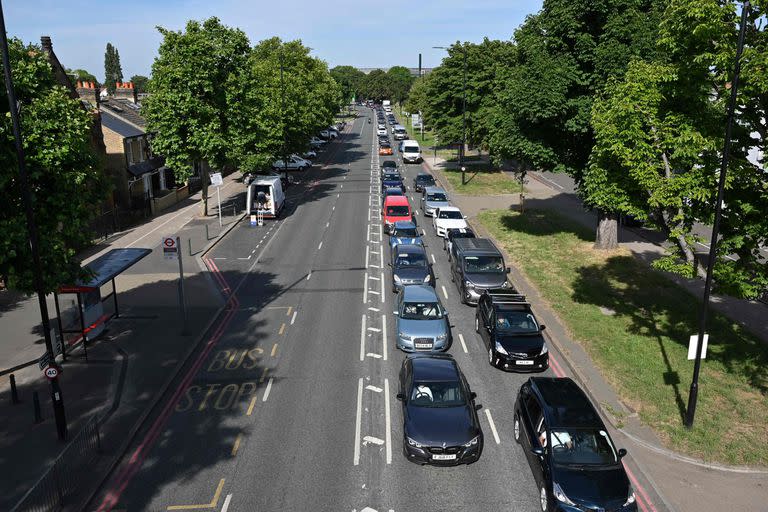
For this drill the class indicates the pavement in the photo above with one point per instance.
(680, 483)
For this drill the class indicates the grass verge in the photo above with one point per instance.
(481, 180)
(641, 348)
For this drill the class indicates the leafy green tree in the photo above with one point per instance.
(400, 81)
(64, 176)
(188, 103)
(81, 75)
(140, 83)
(377, 85)
(418, 95)
(350, 81)
(113, 71)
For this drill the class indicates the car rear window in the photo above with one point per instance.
(398, 211)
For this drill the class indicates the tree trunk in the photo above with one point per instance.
(690, 257)
(607, 237)
(204, 181)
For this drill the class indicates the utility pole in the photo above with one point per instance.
(419, 65)
(694, 391)
(26, 196)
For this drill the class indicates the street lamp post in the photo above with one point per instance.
(463, 111)
(694, 391)
(56, 396)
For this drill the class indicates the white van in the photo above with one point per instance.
(265, 193)
(411, 151)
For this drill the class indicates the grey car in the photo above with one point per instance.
(410, 266)
(422, 322)
(432, 198)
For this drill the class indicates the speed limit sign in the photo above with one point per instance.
(51, 372)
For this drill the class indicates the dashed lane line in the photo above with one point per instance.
(463, 345)
(493, 426)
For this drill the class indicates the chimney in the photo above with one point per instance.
(88, 92)
(125, 91)
(46, 43)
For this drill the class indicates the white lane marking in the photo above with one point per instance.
(384, 334)
(375, 356)
(374, 252)
(225, 506)
(493, 427)
(369, 217)
(362, 340)
(327, 224)
(320, 246)
(368, 230)
(309, 275)
(372, 277)
(342, 186)
(381, 254)
(333, 209)
(367, 255)
(445, 292)
(365, 289)
(423, 233)
(383, 287)
(244, 258)
(337, 195)
(381, 232)
(388, 423)
(416, 212)
(374, 329)
(463, 345)
(219, 258)
(254, 251)
(293, 318)
(374, 309)
(358, 417)
(269, 388)
(433, 258)
(373, 440)
(374, 291)
(373, 388)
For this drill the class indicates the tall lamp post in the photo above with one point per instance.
(58, 402)
(694, 391)
(463, 110)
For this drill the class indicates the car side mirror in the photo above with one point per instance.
(538, 450)
(401, 397)
(478, 407)
(394, 312)
(465, 216)
(473, 395)
(508, 270)
(389, 264)
(622, 452)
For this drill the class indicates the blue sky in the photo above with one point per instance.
(360, 33)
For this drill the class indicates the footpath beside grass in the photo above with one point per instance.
(640, 345)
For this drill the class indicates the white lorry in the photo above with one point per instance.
(265, 195)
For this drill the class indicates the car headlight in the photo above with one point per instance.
(469, 285)
(404, 336)
(412, 442)
(442, 336)
(472, 442)
(559, 494)
(544, 349)
(631, 497)
(428, 278)
(500, 349)
(397, 279)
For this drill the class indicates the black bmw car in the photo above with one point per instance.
(440, 424)
(422, 180)
(573, 459)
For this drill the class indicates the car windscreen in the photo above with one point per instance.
(405, 232)
(425, 178)
(450, 214)
(483, 264)
(398, 211)
(422, 311)
(389, 163)
(399, 130)
(582, 446)
(438, 196)
(516, 322)
(411, 260)
(437, 394)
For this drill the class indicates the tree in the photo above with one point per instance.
(113, 72)
(400, 81)
(188, 108)
(350, 81)
(377, 85)
(64, 177)
(140, 83)
(418, 95)
(82, 75)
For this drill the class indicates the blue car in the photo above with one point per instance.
(392, 179)
(404, 233)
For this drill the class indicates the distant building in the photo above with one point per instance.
(414, 71)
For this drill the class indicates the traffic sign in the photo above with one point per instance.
(216, 179)
(693, 344)
(44, 360)
(51, 372)
(170, 248)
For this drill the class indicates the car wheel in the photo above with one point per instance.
(490, 356)
(544, 499)
(453, 279)
(463, 295)
(517, 428)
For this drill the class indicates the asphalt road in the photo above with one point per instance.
(290, 403)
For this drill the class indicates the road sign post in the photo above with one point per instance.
(171, 251)
(217, 181)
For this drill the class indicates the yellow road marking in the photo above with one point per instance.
(263, 375)
(274, 349)
(250, 407)
(214, 502)
(237, 444)
(290, 310)
(282, 329)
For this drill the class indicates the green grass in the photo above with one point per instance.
(481, 181)
(642, 348)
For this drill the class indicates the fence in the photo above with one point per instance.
(63, 478)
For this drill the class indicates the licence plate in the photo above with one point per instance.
(423, 345)
(444, 456)
(524, 362)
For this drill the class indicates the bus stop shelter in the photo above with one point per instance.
(90, 303)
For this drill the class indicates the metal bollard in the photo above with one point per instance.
(189, 243)
(36, 403)
(14, 392)
(207, 235)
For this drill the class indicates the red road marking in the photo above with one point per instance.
(558, 371)
(134, 463)
(640, 492)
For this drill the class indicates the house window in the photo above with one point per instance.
(136, 149)
(127, 150)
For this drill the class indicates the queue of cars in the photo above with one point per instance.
(574, 462)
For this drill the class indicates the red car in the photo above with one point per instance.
(395, 208)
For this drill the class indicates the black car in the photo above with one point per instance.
(410, 266)
(384, 139)
(573, 459)
(422, 180)
(388, 165)
(440, 424)
(452, 234)
(510, 332)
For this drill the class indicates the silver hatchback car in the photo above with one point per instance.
(422, 321)
(433, 198)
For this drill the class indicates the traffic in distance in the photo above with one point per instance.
(573, 460)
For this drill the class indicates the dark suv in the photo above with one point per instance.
(510, 332)
(573, 459)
